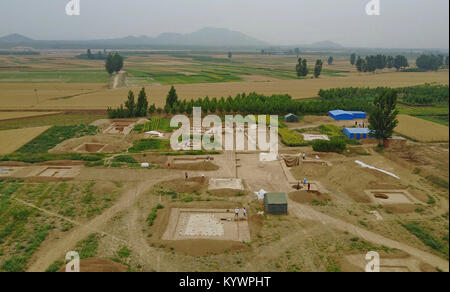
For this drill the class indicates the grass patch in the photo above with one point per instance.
(149, 144)
(426, 238)
(153, 214)
(88, 247)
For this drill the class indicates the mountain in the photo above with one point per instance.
(15, 38)
(206, 37)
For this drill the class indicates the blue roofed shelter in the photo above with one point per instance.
(341, 115)
(357, 133)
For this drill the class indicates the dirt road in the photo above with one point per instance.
(306, 212)
(119, 80)
(48, 254)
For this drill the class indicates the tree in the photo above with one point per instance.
(302, 67)
(297, 52)
(172, 97)
(353, 59)
(428, 62)
(117, 62)
(360, 64)
(400, 62)
(318, 68)
(89, 54)
(142, 104)
(383, 117)
(330, 60)
(230, 55)
(390, 62)
(130, 105)
(152, 109)
(109, 64)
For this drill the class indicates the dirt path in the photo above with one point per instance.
(49, 253)
(119, 80)
(305, 212)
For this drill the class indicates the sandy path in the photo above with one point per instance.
(49, 253)
(119, 80)
(305, 212)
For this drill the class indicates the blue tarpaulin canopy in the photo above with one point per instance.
(357, 133)
(340, 115)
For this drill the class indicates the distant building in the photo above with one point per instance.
(357, 133)
(276, 203)
(291, 118)
(340, 115)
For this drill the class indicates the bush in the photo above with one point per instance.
(124, 159)
(290, 138)
(334, 145)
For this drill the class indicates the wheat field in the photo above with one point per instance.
(96, 96)
(12, 140)
(422, 130)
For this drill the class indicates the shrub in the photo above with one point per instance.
(124, 252)
(290, 138)
(124, 159)
(334, 145)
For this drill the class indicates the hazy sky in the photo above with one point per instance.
(402, 23)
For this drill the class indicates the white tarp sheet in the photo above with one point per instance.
(377, 169)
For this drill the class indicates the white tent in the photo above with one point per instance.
(155, 133)
(260, 195)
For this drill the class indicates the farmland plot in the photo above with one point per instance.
(11, 140)
(421, 130)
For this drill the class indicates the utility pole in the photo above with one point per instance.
(37, 96)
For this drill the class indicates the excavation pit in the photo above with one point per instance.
(56, 172)
(212, 224)
(386, 197)
(225, 183)
(90, 147)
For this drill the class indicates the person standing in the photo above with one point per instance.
(186, 175)
(245, 212)
(236, 213)
(298, 186)
(304, 156)
(309, 187)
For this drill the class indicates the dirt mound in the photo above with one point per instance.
(205, 166)
(401, 208)
(153, 159)
(202, 247)
(227, 193)
(380, 186)
(186, 185)
(61, 163)
(14, 163)
(98, 265)
(304, 197)
(88, 144)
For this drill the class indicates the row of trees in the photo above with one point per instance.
(132, 109)
(432, 62)
(374, 62)
(90, 56)
(302, 68)
(113, 63)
